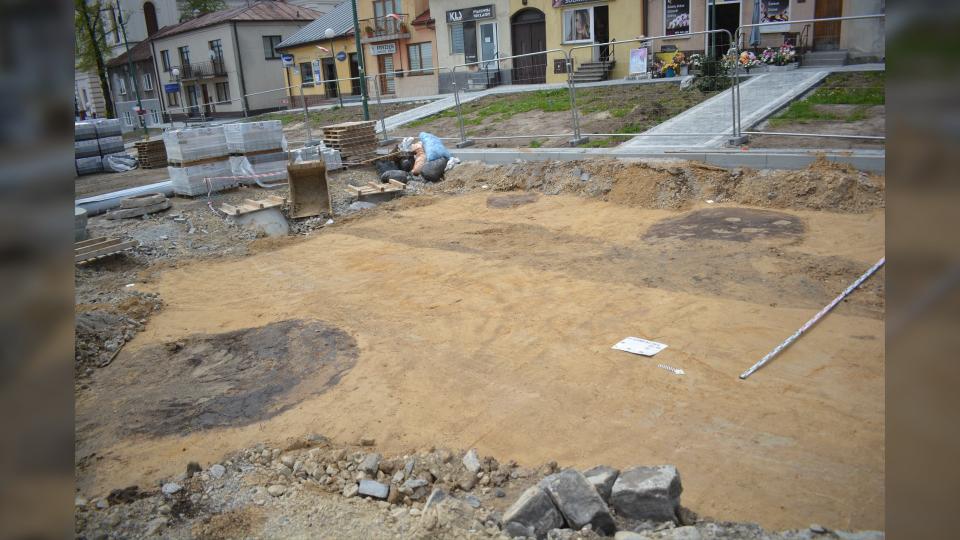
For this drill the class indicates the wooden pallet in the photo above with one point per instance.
(375, 188)
(97, 248)
(257, 152)
(178, 163)
(250, 205)
(364, 159)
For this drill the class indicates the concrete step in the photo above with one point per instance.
(822, 63)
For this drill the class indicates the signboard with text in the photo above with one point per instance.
(638, 60)
(471, 14)
(677, 17)
(287, 60)
(774, 11)
(171, 88)
(383, 48)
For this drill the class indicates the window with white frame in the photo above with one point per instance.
(122, 85)
(223, 92)
(270, 47)
(173, 99)
(306, 73)
(456, 39)
(155, 116)
(578, 25)
(421, 58)
(127, 118)
(148, 82)
(165, 60)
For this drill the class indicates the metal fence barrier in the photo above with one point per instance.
(393, 95)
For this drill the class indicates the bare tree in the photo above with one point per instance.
(91, 39)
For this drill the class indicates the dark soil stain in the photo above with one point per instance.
(231, 379)
(736, 224)
(511, 200)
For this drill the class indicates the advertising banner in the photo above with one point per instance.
(638, 60)
(677, 17)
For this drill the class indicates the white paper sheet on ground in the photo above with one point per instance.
(642, 346)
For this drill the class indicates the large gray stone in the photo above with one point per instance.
(370, 463)
(471, 461)
(372, 488)
(602, 479)
(578, 501)
(651, 493)
(533, 514)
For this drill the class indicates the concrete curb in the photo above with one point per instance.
(870, 161)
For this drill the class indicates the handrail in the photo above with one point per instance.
(739, 32)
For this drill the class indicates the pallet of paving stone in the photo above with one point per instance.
(87, 251)
(151, 154)
(250, 205)
(351, 137)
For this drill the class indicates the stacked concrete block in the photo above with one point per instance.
(93, 141)
(194, 144)
(248, 137)
(197, 155)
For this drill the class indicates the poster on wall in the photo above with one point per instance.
(677, 15)
(578, 25)
(638, 60)
(774, 11)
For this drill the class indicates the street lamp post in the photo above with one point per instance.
(330, 34)
(360, 62)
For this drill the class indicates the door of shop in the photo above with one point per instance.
(601, 33)
(330, 76)
(727, 18)
(529, 35)
(388, 84)
(826, 35)
(354, 75)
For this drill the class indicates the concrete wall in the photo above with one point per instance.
(865, 40)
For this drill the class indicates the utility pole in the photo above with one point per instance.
(133, 73)
(360, 62)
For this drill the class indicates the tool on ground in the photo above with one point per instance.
(676, 371)
(309, 193)
(806, 326)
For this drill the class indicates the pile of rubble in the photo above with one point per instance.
(315, 489)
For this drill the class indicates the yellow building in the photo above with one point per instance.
(574, 25)
(399, 45)
(326, 67)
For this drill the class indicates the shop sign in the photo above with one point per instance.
(562, 3)
(471, 14)
(775, 11)
(341, 56)
(287, 60)
(383, 48)
(677, 17)
(171, 88)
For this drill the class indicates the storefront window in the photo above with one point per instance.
(578, 25)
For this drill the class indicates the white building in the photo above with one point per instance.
(224, 64)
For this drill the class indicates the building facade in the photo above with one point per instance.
(473, 36)
(399, 46)
(863, 40)
(225, 64)
(139, 89)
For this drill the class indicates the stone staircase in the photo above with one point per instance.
(593, 71)
(824, 58)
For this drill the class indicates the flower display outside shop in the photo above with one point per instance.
(749, 60)
(696, 61)
(781, 56)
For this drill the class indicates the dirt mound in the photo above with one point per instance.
(103, 329)
(677, 185)
(234, 378)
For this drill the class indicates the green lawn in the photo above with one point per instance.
(862, 89)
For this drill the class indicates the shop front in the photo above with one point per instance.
(583, 26)
(477, 35)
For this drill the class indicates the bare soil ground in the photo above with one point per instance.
(482, 314)
(607, 109)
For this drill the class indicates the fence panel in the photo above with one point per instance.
(663, 97)
(846, 106)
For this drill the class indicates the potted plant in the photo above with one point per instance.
(369, 31)
(696, 63)
(680, 60)
(749, 60)
(781, 58)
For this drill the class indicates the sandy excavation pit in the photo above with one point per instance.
(486, 321)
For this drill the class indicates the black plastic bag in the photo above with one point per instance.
(433, 171)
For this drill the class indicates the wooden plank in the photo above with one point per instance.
(97, 247)
(116, 248)
(229, 209)
(90, 241)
